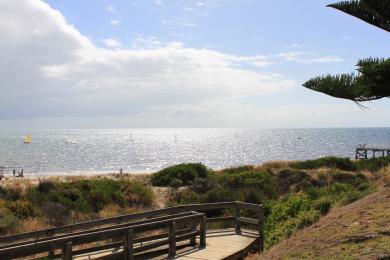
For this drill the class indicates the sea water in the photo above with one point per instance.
(146, 150)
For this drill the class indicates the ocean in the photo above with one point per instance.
(147, 150)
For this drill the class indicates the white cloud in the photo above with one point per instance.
(49, 70)
(111, 8)
(111, 42)
(114, 22)
(143, 43)
(158, 2)
(305, 57)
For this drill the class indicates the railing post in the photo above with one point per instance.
(128, 245)
(193, 239)
(51, 253)
(67, 251)
(202, 240)
(172, 239)
(237, 218)
(131, 244)
(261, 229)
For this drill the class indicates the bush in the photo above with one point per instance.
(137, 193)
(235, 170)
(344, 164)
(56, 213)
(8, 222)
(373, 164)
(45, 186)
(90, 196)
(21, 209)
(348, 178)
(185, 196)
(186, 172)
(290, 178)
(201, 185)
(323, 205)
(13, 193)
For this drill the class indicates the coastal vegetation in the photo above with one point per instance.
(294, 194)
(53, 203)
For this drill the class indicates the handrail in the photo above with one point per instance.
(113, 220)
(57, 238)
(60, 243)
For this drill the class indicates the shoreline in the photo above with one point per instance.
(81, 174)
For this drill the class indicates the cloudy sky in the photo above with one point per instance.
(179, 63)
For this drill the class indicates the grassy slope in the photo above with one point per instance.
(360, 230)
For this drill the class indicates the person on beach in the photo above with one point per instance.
(21, 174)
(121, 171)
(14, 172)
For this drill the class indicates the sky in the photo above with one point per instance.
(180, 63)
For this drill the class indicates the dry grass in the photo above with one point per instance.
(274, 165)
(360, 230)
(31, 224)
(385, 176)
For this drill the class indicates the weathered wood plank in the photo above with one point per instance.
(248, 220)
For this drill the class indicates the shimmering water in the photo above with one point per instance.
(144, 150)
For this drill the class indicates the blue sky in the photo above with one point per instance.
(160, 63)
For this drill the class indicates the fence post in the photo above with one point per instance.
(237, 218)
(261, 229)
(202, 240)
(172, 239)
(131, 244)
(67, 251)
(51, 253)
(128, 238)
(193, 239)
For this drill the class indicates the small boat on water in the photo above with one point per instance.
(27, 140)
(70, 141)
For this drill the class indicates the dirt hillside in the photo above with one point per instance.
(360, 230)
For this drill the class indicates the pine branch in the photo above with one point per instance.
(375, 12)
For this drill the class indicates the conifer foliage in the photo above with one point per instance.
(372, 81)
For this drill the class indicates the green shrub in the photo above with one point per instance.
(185, 196)
(201, 185)
(21, 208)
(186, 172)
(373, 164)
(348, 178)
(344, 164)
(137, 193)
(45, 186)
(291, 178)
(55, 213)
(323, 205)
(239, 169)
(91, 195)
(13, 193)
(8, 222)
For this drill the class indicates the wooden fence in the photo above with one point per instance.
(135, 234)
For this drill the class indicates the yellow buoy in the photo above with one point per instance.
(27, 140)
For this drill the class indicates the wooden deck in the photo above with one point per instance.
(221, 245)
(181, 232)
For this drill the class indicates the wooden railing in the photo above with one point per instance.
(129, 232)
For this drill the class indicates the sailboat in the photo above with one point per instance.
(27, 140)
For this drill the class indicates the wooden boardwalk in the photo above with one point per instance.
(182, 232)
(221, 245)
